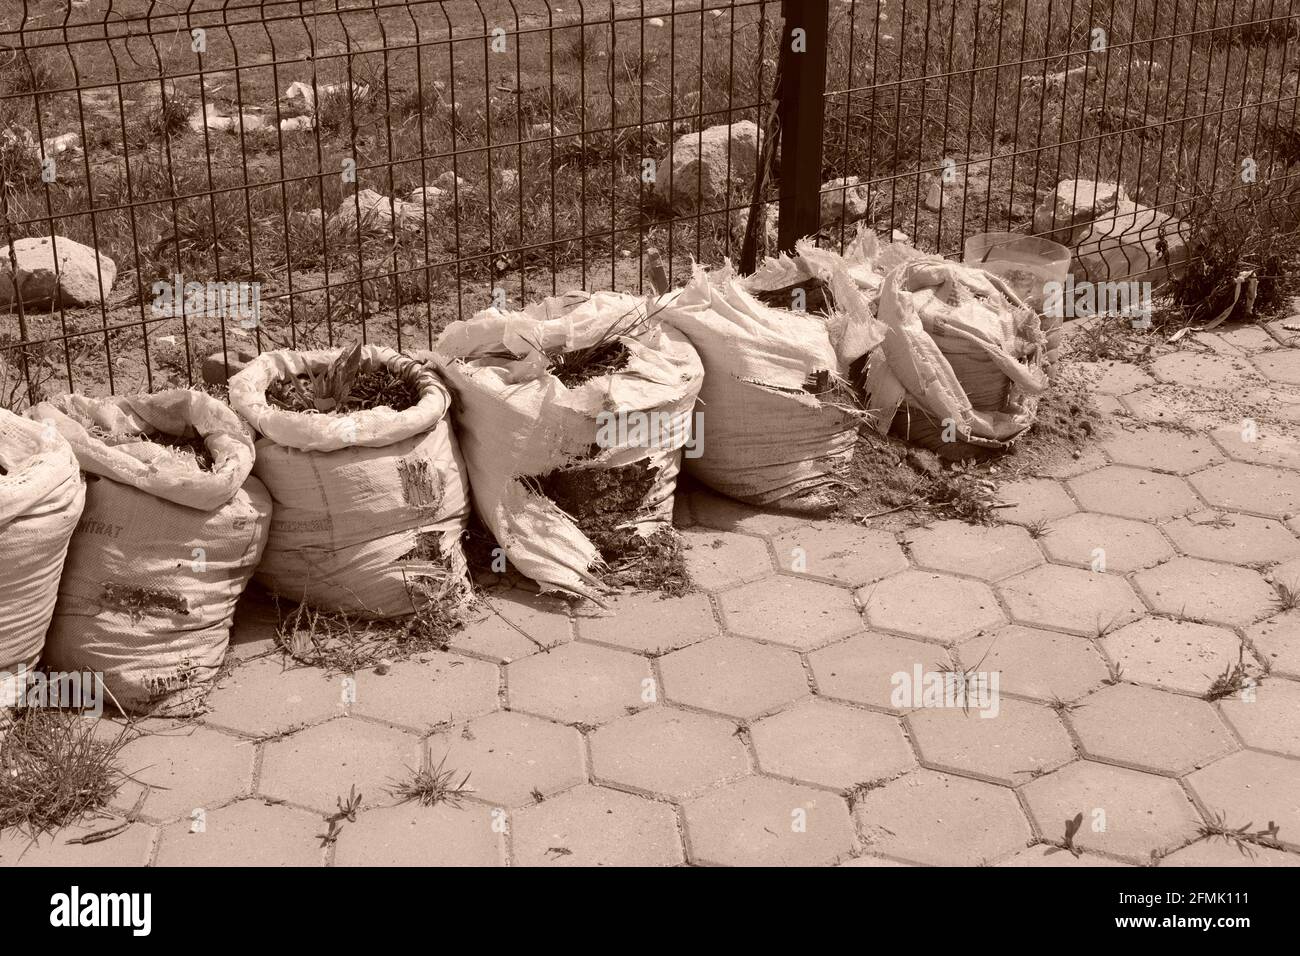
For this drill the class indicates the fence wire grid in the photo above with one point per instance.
(378, 168)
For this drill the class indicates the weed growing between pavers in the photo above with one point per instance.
(431, 784)
(1243, 837)
(55, 769)
(1234, 679)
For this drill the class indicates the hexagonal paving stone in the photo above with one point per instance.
(1280, 366)
(264, 697)
(1134, 493)
(1150, 729)
(1268, 718)
(650, 623)
(1125, 813)
(784, 610)
(1070, 599)
(579, 683)
(1034, 663)
(1162, 449)
(595, 826)
(1278, 640)
(132, 847)
(1221, 852)
(1253, 787)
(1285, 576)
(1206, 591)
(721, 559)
(725, 514)
(1242, 338)
(733, 676)
(832, 745)
(871, 861)
(1035, 500)
(862, 668)
(1117, 545)
(509, 755)
(412, 835)
(1115, 378)
(316, 767)
(187, 767)
(514, 624)
(1176, 655)
(1201, 371)
(845, 554)
(434, 689)
(988, 553)
(934, 606)
(1253, 488)
(1238, 538)
(247, 833)
(1044, 854)
(940, 819)
(1008, 743)
(759, 821)
(667, 752)
(1259, 444)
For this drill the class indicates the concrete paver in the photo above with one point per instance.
(1131, 604)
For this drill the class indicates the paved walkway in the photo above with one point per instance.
(761, 720)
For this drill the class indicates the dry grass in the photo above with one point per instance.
(431, 784)
(55, 769)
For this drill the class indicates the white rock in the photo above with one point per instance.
(57, 145)
(845, 200)
(543, 131)
(379, 214)
(1124, 245)
(1074, 202)
(448, 181)
(696, 168)
(969, 179)
(655, 22)
(428, 196)
(84, 277)
(509, 179)
(294, 124)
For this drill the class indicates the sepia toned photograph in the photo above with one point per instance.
(651, 433)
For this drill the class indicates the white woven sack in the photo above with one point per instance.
(355, 495)
(517, 420)
(148, 593)
(930, 307)
(41, 498)
(775, 430)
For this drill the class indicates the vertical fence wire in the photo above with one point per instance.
(375, 169)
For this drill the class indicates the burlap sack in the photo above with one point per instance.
(41, 499)
(519, 423)
(369, 507)
(777, 418)
(961, 366)
(163, 550)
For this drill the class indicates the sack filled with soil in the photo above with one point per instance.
(961, 366)
(778, 416)
(41, 499)
(173, 526)
(573, 415)
(370, 494)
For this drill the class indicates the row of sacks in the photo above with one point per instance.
(572, 419)
(133, 569)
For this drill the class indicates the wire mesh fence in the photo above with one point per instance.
(300, 174)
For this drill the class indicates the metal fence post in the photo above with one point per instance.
(801, 109)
